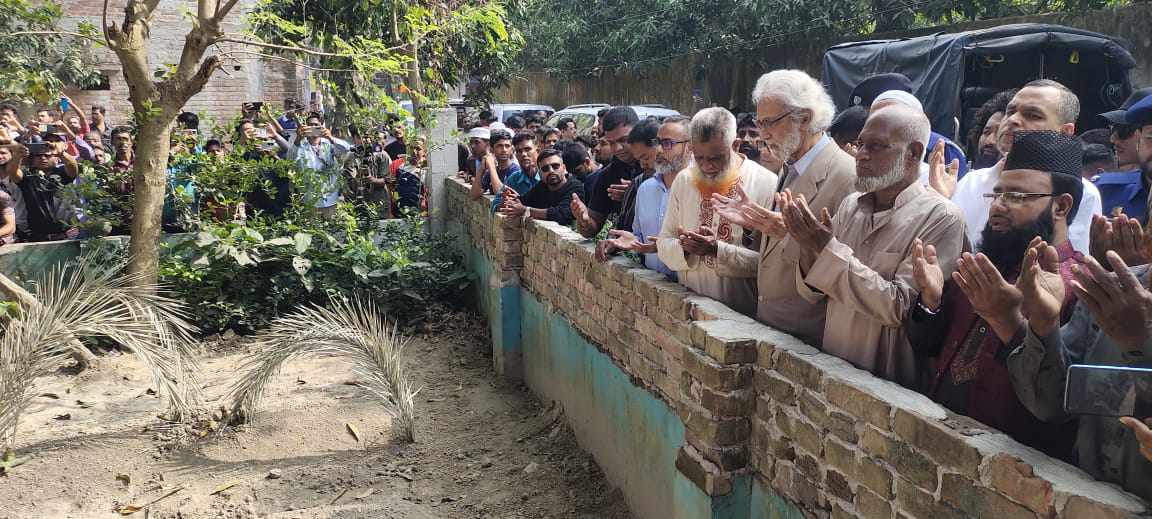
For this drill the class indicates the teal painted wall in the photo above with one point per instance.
(766, 504)
(633, 435)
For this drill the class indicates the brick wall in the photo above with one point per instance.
(244, 78)
(830, 439)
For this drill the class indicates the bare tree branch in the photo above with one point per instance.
(198, 80)
(254, 43)
(228, 55)
(57, 33)
(221, 12)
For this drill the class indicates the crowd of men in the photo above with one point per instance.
(976, 278)
(41, 157)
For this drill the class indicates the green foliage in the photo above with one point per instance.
(105, 199)
(598, 36)
(241, 276)
(375, 38)
(35, 67)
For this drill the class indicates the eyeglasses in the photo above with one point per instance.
(669, 143)
(550, 167)
(765, 124)
(1011, 198)
(1123, 131)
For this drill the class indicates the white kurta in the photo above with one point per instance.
(705, 275)
(969, 197)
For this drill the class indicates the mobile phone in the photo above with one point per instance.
(190, 132)
(253, 106)
(269, 146)
(261, 133)
(314, 131)
(63, 104)
(1108, 391)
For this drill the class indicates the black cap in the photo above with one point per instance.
(867, 90)
(1117, 116)
(1044, 150)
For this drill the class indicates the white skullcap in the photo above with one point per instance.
(901, 97)
(480, 132)
(497, 126)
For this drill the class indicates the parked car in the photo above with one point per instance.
(585, 115)
(503, 111)
(953, 74)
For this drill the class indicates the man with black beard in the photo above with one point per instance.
(748, 136)
(551, 198)
(966, 323)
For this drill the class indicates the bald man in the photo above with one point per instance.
(861, 262)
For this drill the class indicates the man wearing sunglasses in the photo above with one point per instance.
(551, 198)
(968, 326)
(1126, 189)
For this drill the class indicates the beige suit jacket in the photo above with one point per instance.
(825, 184)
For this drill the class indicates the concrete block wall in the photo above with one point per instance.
(771, 427)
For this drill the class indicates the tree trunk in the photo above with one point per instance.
(414, 85)
(149, 176)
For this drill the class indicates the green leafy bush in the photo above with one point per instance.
(240, 276)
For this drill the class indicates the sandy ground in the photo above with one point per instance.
(484, 449)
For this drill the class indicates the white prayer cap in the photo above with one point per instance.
(497, 126)
(901, 97)
(480, 132)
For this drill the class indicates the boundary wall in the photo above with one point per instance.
(696, 411)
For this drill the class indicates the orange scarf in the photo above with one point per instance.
(721, 185)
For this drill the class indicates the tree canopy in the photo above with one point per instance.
(577, 38)
(36, 60)
(446, 42)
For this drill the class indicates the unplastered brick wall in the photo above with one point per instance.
(243, 78)
(833, 440)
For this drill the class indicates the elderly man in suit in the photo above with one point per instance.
(792, 111)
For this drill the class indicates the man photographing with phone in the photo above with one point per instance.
(318, 150)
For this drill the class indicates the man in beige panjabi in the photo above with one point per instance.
(792, 111)
(861, 261)
(694, 241)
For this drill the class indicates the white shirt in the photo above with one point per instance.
(324, 157)
(969, 196)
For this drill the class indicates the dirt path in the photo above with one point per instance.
(484, 448)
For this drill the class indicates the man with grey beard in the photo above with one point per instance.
(695, 241)
(861, 262)
(792, 113)
(652, 196)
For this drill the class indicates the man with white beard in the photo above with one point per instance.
(694, 240)
(792, 112)
(862, 260)
(652, 195)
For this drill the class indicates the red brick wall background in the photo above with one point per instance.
(244, 77)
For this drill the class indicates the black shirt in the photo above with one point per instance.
(396, 149)
(556, 202)
(613, 173)
(39, 190)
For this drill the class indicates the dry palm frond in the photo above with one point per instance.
(80, 299)
(352, 330)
